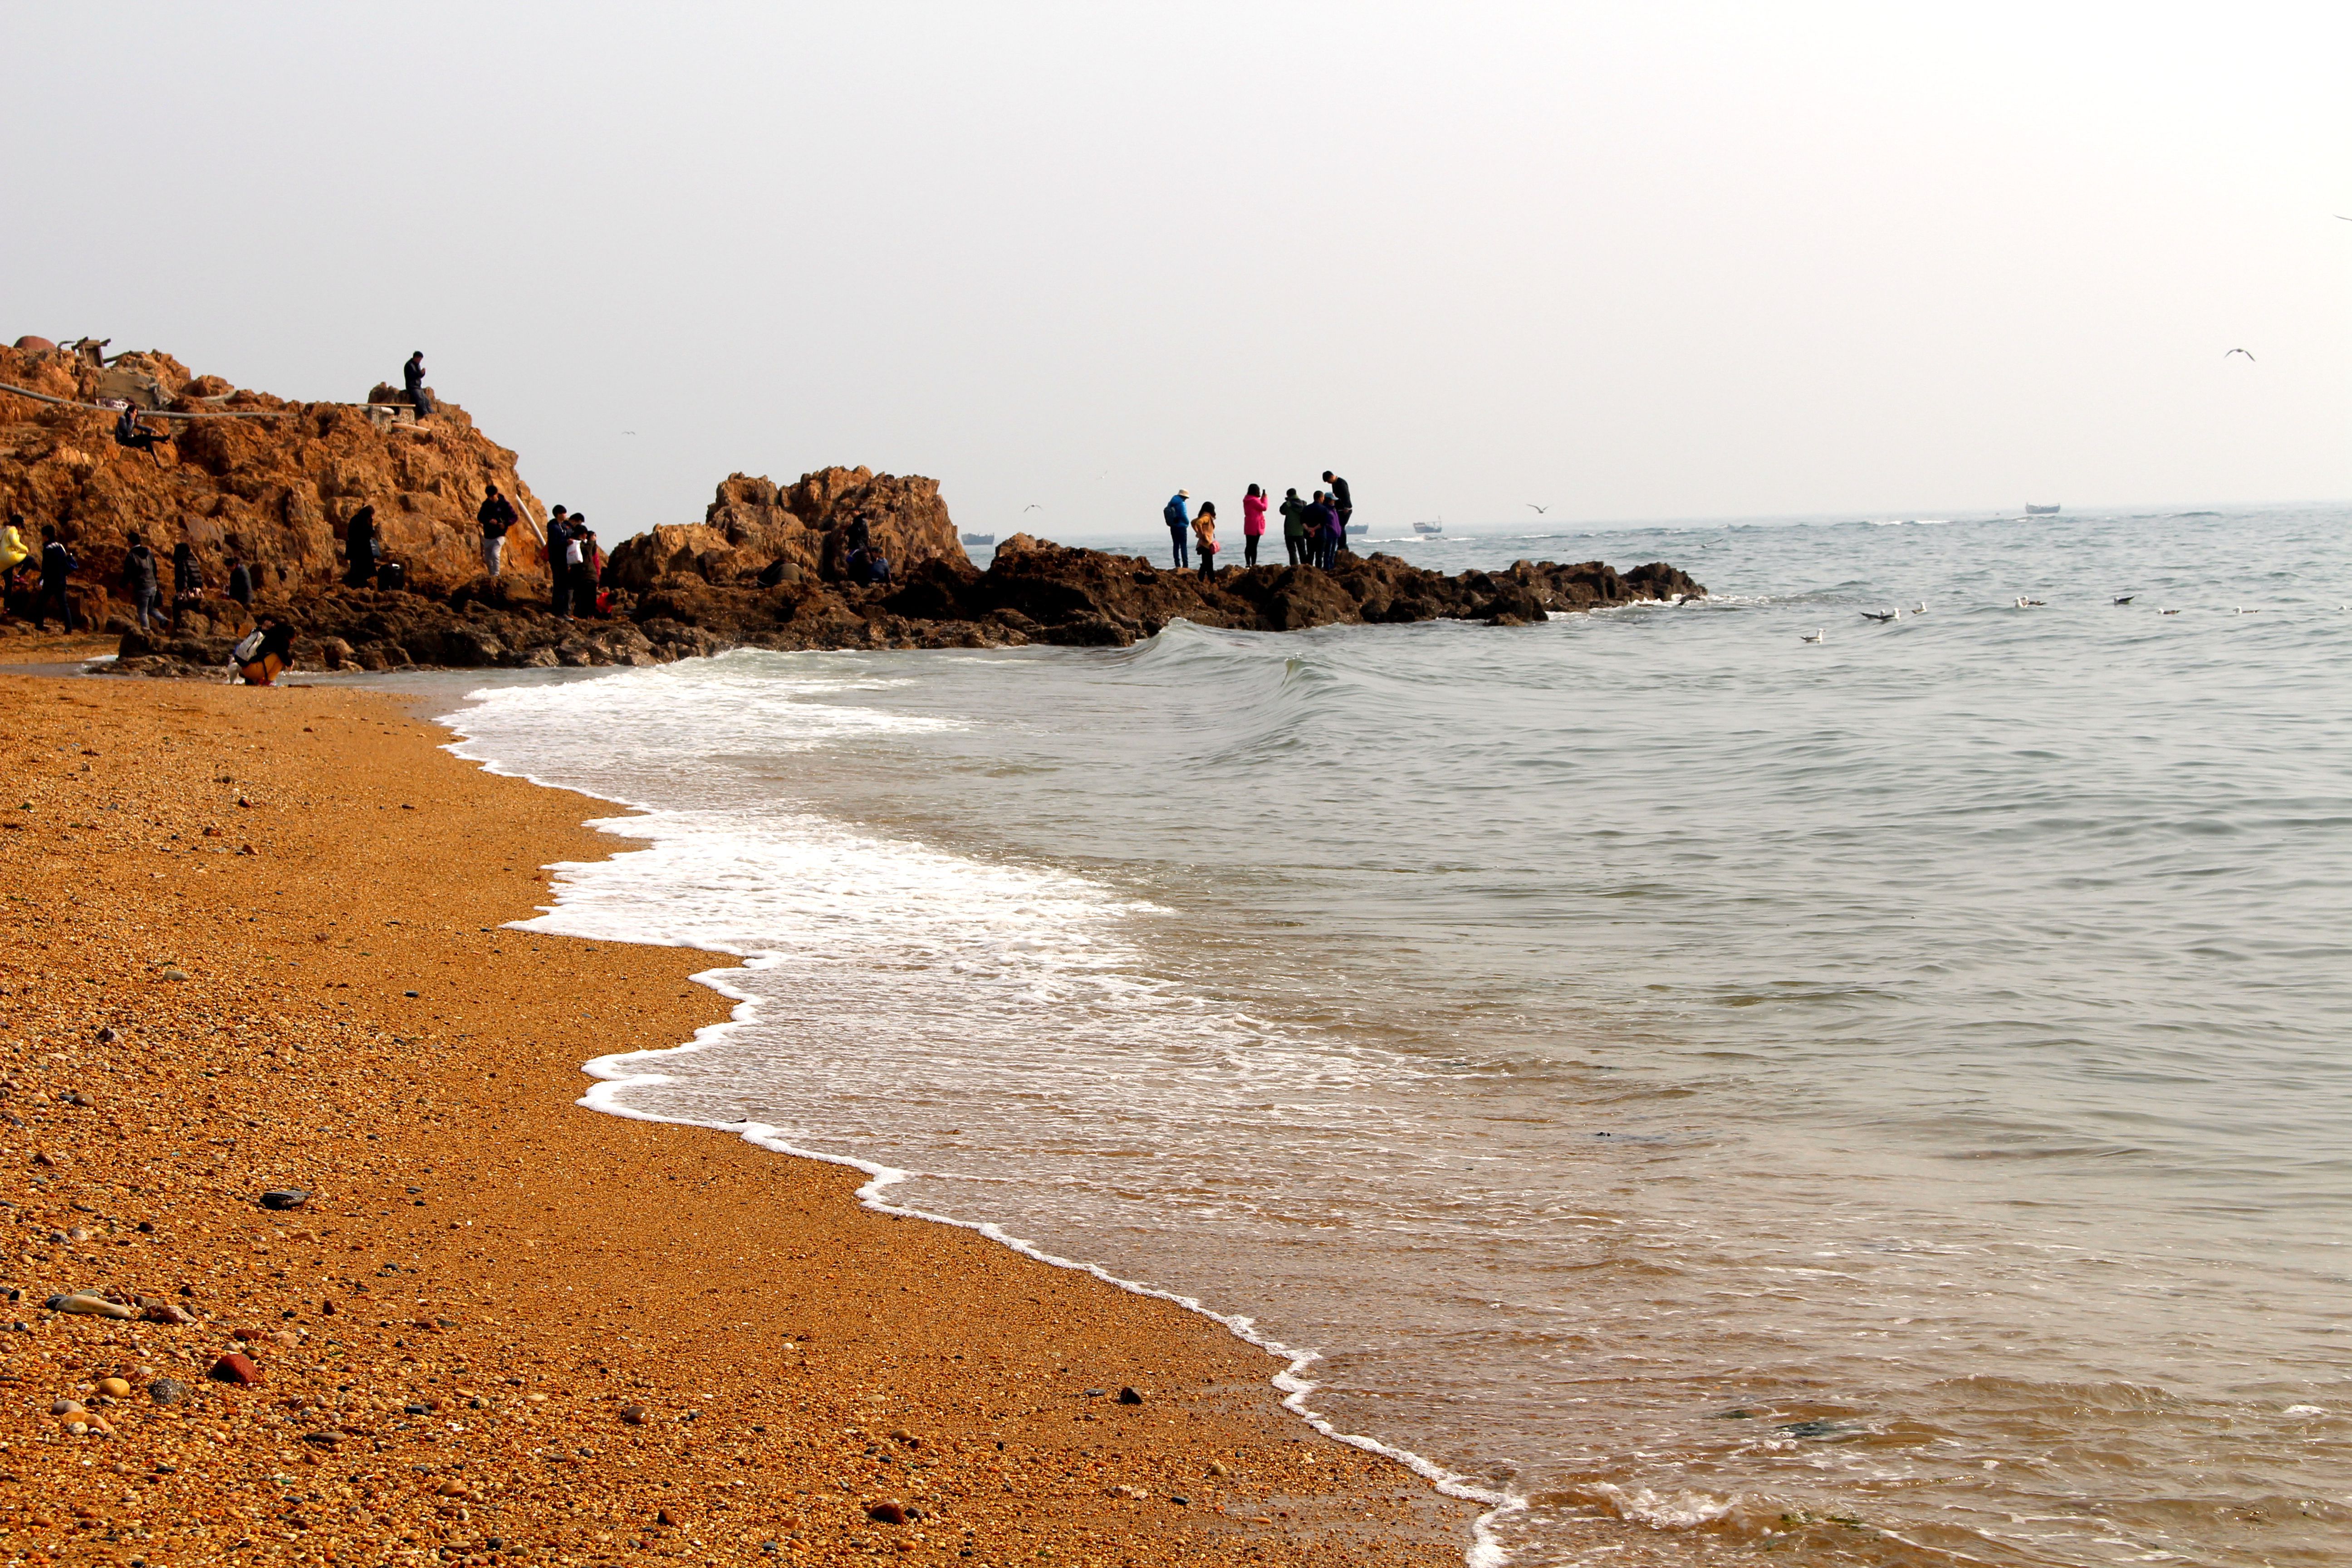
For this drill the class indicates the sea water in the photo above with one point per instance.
(1722, 1096)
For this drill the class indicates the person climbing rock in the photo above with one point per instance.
(130, 434)
(360, 548)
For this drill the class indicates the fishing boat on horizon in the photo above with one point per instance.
(2033, 510)
(1438, 527)
(979, 539)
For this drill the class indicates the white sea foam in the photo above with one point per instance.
(799, 896)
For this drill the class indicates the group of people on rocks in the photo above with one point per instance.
(1313, 533)
(140, 576)
(575, 563)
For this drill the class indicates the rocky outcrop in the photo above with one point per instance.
(279, 492)
(754, 527)
(1032, 592)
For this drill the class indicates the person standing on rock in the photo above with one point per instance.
(1204, 532)
(187, 581)
(586, 570)
(58, 565)
(240, 580)
(1343, 507)
(558, 535)
(412, 375)
(139, 577)
(496, 516)
(14, 552)
(1253, 523)
(1294, 527)
(1179, 525)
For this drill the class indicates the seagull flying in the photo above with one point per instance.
(1034, 506)
(1540, 510)
(2250, 359)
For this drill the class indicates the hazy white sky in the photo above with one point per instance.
(1628, 260)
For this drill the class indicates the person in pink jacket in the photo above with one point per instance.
(1253, 523)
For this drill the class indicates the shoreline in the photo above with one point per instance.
(310, 984)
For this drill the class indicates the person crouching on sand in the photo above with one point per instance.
(1204, 536)
(262, 656)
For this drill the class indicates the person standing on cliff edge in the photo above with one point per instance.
(413, 374)
(1343, 506)
(1180, 525)
(496, 516)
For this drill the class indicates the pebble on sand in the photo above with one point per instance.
(83, 1304)
(891, 1511)
(284, 1198)
(114, 1388)
(236, 1368)
(167, 1391)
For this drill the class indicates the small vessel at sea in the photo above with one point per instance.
(979, 539)
(2033, 510)
(1429, 528)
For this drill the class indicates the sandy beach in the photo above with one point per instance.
(256, 942)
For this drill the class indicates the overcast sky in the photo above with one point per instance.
(1630, 261)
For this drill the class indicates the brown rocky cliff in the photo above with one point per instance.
(752, 524)
(279, 491)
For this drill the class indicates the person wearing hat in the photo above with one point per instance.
(1180, 526)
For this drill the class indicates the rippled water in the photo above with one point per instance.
(1879, 1101)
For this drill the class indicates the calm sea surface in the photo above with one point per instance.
(1882, 1100)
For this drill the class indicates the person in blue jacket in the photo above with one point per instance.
(1180, 526)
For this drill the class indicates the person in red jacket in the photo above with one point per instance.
(1253, 523)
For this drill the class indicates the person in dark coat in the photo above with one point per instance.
(1294, 527)
(413, 375)
(128, 432)
(240, 580)
(58, 565)
(587, 572)
(187, 581)
(1343, 507)
(496, 516)
(360, 548)
(139, 577)
(559, 541)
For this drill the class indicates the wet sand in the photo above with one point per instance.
(502, 1327)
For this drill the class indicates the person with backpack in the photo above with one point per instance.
(496, 516)
(1179, 525)
(57, 566)
(263, 653)
(139, 578)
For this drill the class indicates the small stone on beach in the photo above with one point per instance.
(284, 1198)
(236, 1368)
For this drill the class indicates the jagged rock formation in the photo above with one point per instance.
(1033, 592)
(279, 492)
(754, 526)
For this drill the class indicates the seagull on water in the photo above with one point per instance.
(2167, 612)
(2125, 598)
(1816, 634)
(1881, 617)
(2025, 603)
(2250, 359)
(1922, 609)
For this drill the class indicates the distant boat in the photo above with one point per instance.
(2033, 510)
(979, 539)
(1429, 528)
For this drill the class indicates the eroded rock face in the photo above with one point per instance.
(754, 526)
(279, 491)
